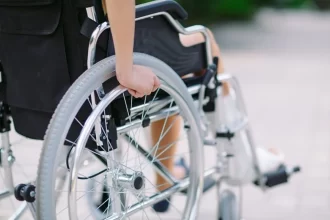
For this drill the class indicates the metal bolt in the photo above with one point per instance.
(11, 159)
(107, 117)
(33, 194)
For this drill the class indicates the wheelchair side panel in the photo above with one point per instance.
(156, 37)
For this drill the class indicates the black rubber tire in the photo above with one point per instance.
(71, 103)
(17, 192)
(27, 197)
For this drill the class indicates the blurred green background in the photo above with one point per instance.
(209, 11)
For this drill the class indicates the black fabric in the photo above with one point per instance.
(43, 53)
(14, 3)
(157, 37)
(33, 56)
(170, 6)
(2, 85)
(38, 20)
(42, 56)
(83, 3)
(87, 30)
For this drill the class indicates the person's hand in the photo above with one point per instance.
(140, 81)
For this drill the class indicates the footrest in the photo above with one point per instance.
(279, 176)
(228, 131)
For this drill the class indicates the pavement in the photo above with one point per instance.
(282, 59)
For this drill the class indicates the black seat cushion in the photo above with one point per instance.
(170, 6)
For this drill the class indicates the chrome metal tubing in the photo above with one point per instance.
(162, 170)
(152, 107)
(5, 193)
(6, 164)
(91, 13)
(158, 104)
(33, 209)
(153, 117)
(93, 41)
(183, 184)
(89, 124)
(19, 212)
(233, 81)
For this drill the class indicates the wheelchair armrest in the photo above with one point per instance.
(170, 6)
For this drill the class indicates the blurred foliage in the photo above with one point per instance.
(283, 3)
(209, 11)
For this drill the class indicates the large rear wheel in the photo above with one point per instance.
(124, 172)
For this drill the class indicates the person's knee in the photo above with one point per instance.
(209, 32)
(191, 39)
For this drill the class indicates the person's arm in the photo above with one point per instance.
(121, 15)
(139, 80)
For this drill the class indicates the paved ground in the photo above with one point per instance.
(283, 62)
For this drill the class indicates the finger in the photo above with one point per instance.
(135, 93)
(139, 95)
(148, 91)
(156, 84)
(132, 92)
(155, 88)
(156, 81)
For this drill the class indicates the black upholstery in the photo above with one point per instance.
(170, 6)
(158, 38)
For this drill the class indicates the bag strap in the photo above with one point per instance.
(87, 30)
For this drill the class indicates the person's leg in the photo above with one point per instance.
(166, 145)
(269, 159)
(173, 134)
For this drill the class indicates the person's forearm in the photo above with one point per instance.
(121, 14)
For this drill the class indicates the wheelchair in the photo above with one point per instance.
(97, 117)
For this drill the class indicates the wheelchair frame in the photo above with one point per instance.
(6, 153)
(200, 89)
(7, 159)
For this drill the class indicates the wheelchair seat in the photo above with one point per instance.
(170, 6)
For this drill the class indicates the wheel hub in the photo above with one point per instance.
(133, 182)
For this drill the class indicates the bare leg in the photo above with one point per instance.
(174, 132)
(172, 136)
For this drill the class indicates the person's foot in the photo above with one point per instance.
(104, 204)
(180, 171)
(269, 159)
